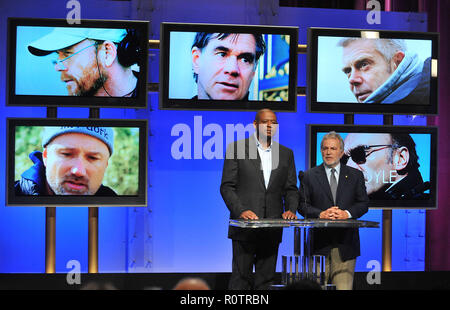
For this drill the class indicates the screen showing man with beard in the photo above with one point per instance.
(75, 62)
(74, 160)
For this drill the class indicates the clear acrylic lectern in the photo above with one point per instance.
(306, 266)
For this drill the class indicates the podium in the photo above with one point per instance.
(312, 266)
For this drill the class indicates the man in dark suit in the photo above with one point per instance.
(336, 192)
(258, 181)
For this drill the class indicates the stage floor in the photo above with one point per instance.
(436, 280)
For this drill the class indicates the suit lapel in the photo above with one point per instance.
(275, 162)
(323, 181)
(250, 151)
(342, 183)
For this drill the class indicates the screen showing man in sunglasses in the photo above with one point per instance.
(390, 165)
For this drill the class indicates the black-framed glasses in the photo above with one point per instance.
(359, 154)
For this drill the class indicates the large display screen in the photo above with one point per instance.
(97, 63)
(371, 71)
(399, 163)
(76, 162)
(228, 67)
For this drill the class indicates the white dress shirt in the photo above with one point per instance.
(266, 161)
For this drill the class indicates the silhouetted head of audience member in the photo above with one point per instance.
(99, 286)
(191, 284)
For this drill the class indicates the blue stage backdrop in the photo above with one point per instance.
(184, 226)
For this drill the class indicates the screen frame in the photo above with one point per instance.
(140, 102)
(165, 103)
(139, 200)
(431, 204)
(314, 106)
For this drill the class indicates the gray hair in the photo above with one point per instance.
(386, 47)
(333, 135)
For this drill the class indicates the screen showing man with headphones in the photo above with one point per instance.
(72, 61)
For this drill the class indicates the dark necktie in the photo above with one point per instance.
(333, 184)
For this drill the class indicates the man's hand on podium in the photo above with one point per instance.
(334, 213)
(248, 215)
(289, 215)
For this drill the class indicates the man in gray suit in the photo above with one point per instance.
(334, 191)
(258, 181)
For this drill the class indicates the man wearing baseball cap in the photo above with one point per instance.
(73, 162)
(90, 60)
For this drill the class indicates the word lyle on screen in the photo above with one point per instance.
(234, 299)
(380, 177)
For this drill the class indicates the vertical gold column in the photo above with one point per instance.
(386, 245)
(50, 239)
(93, 222)
(93, 240)
(387, 241)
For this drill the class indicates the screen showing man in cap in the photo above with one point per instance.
(73, 162)
(92, 61)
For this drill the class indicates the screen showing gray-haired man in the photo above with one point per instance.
(384, 71)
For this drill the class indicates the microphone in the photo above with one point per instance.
(301, 177)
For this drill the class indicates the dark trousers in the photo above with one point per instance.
(261, 254)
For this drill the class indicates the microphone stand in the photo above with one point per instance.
(301, 176)
(306, 248)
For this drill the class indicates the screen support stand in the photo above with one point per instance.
(349, 119)
(93, 240)
(50, 239)
(93, 222)
(50, 223)
(386, 254)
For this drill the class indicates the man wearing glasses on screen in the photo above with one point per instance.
(383, 71)
(73, 162)
(92, 61)
(389, 163)
(224, 64)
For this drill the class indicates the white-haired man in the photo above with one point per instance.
(383, 71)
